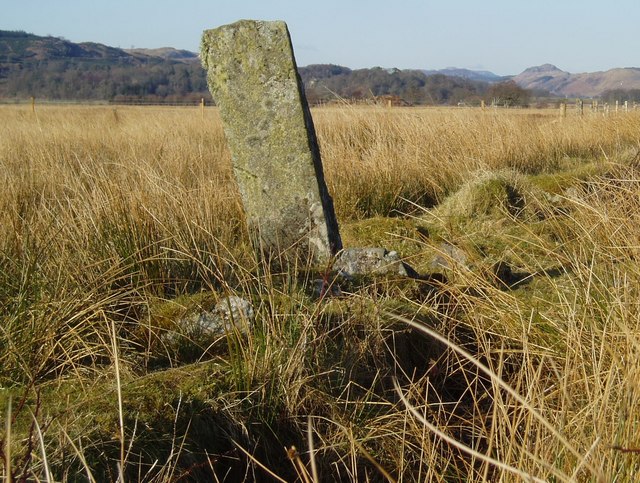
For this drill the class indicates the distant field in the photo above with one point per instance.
(117, 223)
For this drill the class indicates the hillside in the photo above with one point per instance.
(54, 68)
(166, 53)
(21, 48)
(474, 75)
(326, 82)
(561, 83)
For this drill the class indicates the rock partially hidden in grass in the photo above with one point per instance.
(395, 233)
(325, 288)
(504, 275)
(449, 257)
(231, 315)
(367, 261)
(184, 329)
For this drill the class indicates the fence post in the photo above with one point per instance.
(33, 104)
(563, 109)
(617, 106)
(202, 107)
(580, 106)
(482, 105)
(626, 106)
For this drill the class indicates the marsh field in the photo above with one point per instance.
(514, 357)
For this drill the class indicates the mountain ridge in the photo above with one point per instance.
(166, 53)
(558, 82)
(34, 65)
(479, 75)
(55, 68)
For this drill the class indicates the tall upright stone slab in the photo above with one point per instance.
(252, 75)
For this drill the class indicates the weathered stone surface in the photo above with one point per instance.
(369, 261)
(449, 258)
(252, 75)
(229, 314)
(203, 329)
(232, 312)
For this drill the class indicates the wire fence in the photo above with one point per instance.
(579, 106)
(124, 102)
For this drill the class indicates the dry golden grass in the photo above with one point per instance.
(424, 154)
(108, 213)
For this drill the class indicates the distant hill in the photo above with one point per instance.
(55, 68)
(21, 48)
(166, 53)
(330, 82)
(475, 75)
(558, 82)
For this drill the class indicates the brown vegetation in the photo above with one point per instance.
(518, 363)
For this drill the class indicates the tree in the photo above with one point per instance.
(508, 94)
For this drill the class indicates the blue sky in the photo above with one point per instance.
(503, 36)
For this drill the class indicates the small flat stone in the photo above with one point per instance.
(369, 261)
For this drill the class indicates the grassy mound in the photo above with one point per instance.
(488, 193)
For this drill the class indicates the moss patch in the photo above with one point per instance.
(399, 234)
(574, 173)
(488, 193)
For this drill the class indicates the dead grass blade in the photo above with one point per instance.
(255, 460)
(500, 383)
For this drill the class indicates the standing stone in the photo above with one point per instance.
(252, 75)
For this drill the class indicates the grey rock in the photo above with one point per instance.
(449, 258)
(229, 314)
(252, 75)
(368, 261)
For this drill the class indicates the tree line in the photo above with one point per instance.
(163, 81)
(63, 79)
(55, 69)
(324, 83)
